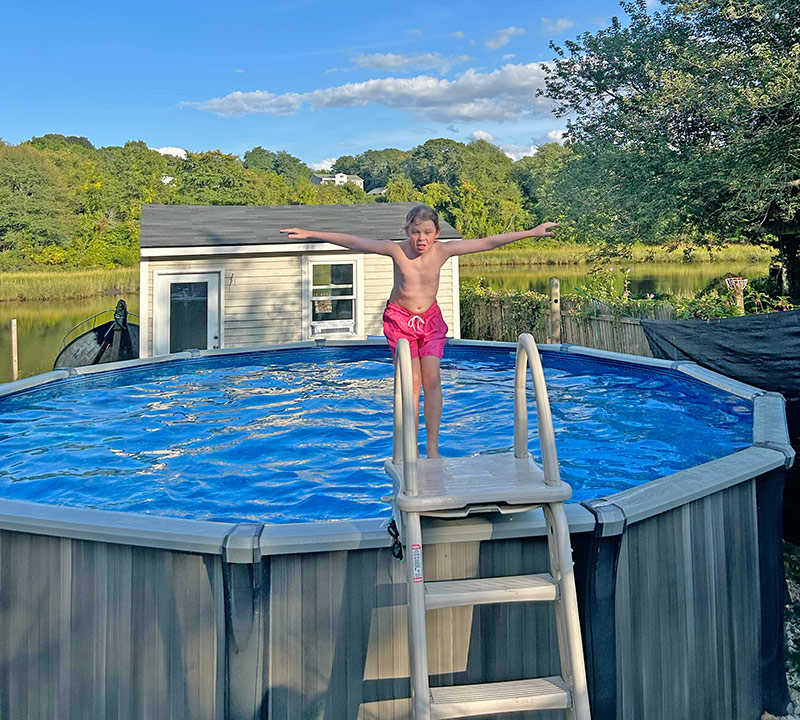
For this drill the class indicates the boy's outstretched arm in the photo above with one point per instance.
(463, 247)
(352, 242)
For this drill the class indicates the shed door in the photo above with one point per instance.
(186, 312)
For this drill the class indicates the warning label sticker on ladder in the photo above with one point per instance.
(416, 562)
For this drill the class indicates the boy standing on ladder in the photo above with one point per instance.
(412, 311)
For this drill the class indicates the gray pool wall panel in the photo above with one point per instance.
(120, 615)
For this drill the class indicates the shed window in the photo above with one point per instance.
(332, 297)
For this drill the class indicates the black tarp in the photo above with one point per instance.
(760, 350)
(764, 351)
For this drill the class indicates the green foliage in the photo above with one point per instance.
(36, 208)
(500, 315)
(375, 167)
(56, 141)
(686, 123)
(401, 189)
(439, 160)
(282, 163)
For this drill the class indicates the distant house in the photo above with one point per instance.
(377, 191)
(224, 277)
(337, 179)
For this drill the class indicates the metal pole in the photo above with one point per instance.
(555, 311)
(14, 351)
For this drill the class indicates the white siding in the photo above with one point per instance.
(262, 297)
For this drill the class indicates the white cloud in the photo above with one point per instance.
(322, 165)
(482, 135)
(174, 151)
(508, 56)
(503, 37)
(422, 61)
(238, 70)
(504, 94)
(416, 32)
(554, 27)
(458, 34)
(517, 152)
(556, 136)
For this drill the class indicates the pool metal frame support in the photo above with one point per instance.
(774, 592)
(598, 616)
(245, 589)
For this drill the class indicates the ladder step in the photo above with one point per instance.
(480, 591)
(518, 695)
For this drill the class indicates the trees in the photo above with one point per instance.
(689, 121)
(437, 160)
(214, 178)
(375, 167)
(282, 163)
(35, 202)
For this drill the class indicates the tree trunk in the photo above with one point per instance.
(790, 255)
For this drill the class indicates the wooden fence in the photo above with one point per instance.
(587, 322)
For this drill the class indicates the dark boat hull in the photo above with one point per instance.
(83, 350)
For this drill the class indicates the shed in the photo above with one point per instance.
(224, 276)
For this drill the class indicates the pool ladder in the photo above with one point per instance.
(456, 487)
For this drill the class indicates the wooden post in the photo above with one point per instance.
(555, 311)
(14, 351)
(738, 294)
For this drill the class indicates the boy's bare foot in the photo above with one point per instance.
(433, 453)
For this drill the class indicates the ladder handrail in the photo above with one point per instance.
(528, 355)
(404, 439)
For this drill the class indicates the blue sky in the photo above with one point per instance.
(319, 79)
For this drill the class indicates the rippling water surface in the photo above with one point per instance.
(288, 436)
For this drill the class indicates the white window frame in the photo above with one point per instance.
(357, 261)
(162, 280)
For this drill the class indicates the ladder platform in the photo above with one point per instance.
(458, 701)
(482, 591)
(452, 483)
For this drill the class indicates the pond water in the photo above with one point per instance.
(668, 278)
(41, 326)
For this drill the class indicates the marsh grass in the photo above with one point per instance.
(67, 284)
(791, 556)
(549, 253)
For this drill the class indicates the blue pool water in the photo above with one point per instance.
(288, 436)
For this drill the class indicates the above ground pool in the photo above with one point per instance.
(301, 434)
(250, 573)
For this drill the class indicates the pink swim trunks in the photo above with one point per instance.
(425, 333)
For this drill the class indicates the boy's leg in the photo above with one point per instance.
(432, 385)
(416, 376)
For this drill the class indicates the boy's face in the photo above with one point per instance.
(423, 235)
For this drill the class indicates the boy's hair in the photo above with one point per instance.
(420, 213)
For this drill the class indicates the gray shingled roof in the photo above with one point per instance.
(197, 225)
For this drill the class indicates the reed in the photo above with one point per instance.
(67, 284)
(549, 253)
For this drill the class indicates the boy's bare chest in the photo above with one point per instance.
(421, 269)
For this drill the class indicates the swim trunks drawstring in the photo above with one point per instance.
(415, 322)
